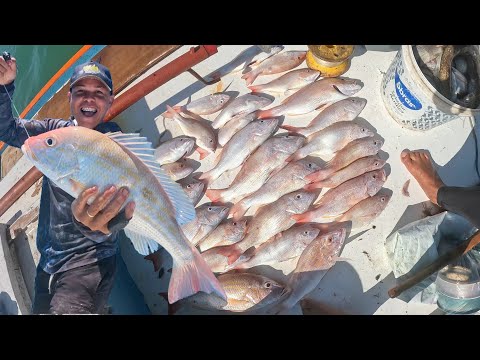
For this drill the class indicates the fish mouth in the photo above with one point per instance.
(28, 152)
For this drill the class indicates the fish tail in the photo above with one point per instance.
(192, 277)
(292, 129)
(255, 88)
(215, 195)
(242, 260)
(231, 252)
(250, 77)
(273, 112)
(303, 218)
(203, 153)
(238, 210)
(313, 186)
(319, 175)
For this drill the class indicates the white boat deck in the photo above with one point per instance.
(356, 286)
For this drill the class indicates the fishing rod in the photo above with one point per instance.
(8, 57)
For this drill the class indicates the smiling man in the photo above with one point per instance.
(77, 242)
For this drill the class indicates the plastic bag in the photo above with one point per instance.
(456, 288)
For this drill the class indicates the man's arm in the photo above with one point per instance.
(12, 130)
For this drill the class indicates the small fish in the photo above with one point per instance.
(355, 150)
(343, 110)
(235, 124)
(204, 135)
(333, 138)
(367, 210)
(314, 262)
(242, 144)
(206, 105)
(242, 105)
(317, 94)
(289, 82)
(287, 245)
(76, 158)
(253, 55)
(245, 292)
(174, 149)
(207, 218)
(356, 168)
(279, 63)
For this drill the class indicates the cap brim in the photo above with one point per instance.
(91, 77)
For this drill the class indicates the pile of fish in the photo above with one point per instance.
(298, 190)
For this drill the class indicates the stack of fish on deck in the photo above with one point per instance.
(297, 191)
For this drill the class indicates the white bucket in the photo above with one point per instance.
(412, 100)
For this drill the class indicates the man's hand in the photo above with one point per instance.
(8, 70)
(103, 209)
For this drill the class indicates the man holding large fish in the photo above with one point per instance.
(82, 210)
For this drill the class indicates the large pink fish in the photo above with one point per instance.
(76, 158)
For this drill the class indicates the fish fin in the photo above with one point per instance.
(243, 258)
(155, 259)
(313, 186)
(142, 244)
(172, 308)
(289, 128)
(140, 147)
(215, 195)
(203, 153)
(269, 113)
(232, 252)
(319, 175)
(303, 218)
(193, 276)
(255, 88)
(238, 210)
(250, 77)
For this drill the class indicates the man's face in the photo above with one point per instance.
(89, 100)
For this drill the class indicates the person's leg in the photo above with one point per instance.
(461, 201)
(83, 290)
(41, 297)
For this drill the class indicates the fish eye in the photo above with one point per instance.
(298, 196)
(210, 208)
(211, 140)
(234, 224)
(305, 232)
(268, 285)
(329, 239)
(50, 141)
(262, 121)
(377, 163)
(382, 199)
(375, 143)
(310, 165)
(189, 186)
(374, 176)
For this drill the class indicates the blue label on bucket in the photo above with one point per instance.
(405, 96)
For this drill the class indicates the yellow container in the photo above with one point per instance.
(330, 60)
